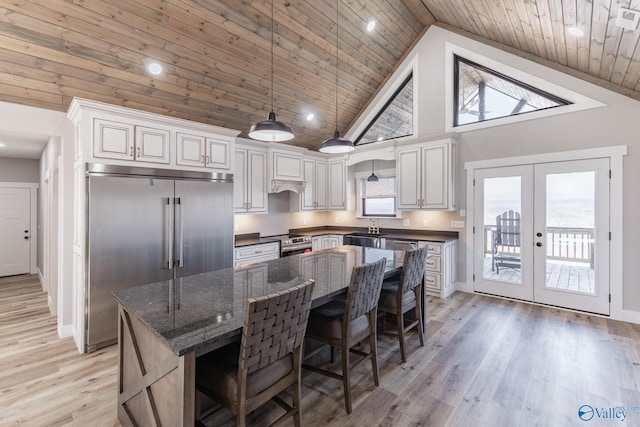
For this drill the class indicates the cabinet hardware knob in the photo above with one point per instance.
(138, 152)
(131, 151)
(539, 244)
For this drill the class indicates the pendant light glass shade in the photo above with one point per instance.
(373, 177)
(336, 144)
(271, 129)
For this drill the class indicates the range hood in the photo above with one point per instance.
(278, 186)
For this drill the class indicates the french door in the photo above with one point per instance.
(542, 233)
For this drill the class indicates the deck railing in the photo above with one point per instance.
(563, 243)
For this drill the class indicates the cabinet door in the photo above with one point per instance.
(435, 180)
(152, 145)
(190, 149)
(321, 185)
(287, 167)
(308, 195)
(408, 164)
(217, 153)
(332, 242)
(256, 181)
(240, 181)
(317, 243)
(337, 186)
(113, 140)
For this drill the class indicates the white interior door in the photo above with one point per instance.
(560, 214)
(15, 231)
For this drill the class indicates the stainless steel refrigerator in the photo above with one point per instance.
(148, 225)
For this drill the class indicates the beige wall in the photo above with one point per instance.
(19, 170)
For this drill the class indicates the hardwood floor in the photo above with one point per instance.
(487, 362)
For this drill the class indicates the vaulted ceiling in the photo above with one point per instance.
(216, 53)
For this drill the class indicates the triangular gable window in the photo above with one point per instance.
(395, 118)
(482, 94)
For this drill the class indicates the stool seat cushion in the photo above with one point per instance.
(326, 321)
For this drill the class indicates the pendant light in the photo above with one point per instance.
(336, 144)
(372, 177)
(271, 129)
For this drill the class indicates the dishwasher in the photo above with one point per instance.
(399, 245)
(362, 239)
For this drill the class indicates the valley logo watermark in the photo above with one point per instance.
(620, 413)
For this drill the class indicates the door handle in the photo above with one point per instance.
(26, 237)
(180, 228)
(169, 233)
(539, 234)
(539, 244)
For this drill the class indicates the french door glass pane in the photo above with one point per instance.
(502, 228)
(570, 227)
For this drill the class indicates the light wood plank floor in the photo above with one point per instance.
(487, 362)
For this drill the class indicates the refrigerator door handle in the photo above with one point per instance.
(169, 233)
(180, 228)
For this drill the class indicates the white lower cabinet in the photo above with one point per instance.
(440, 268)
(326, 241)
(253, 279)
(256, 253)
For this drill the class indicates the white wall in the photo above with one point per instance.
(613, 124)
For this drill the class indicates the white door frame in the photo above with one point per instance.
(616, 155)
(33, 201)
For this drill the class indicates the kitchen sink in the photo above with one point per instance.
(363, 234)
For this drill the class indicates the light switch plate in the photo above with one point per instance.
(236, 227)
(406, 222)
(457, 224)
(425, 222)
(463, 213)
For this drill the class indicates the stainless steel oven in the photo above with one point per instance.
(295, 245)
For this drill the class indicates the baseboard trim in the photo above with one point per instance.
(40, 278)
(630, 316)
(65, 331)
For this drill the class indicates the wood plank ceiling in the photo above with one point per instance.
(216, 53)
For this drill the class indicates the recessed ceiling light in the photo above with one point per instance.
(310, 116)
(371, 25)
(155, 68)
(380, 138)
(2, 145)
(575, 31)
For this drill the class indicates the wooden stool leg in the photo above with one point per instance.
(400, 322)
(373, 344)
(419, 315)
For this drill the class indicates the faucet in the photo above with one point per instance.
(373, 229)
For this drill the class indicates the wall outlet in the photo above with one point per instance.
(425, 222)
(304, 221)
(457, 224)
(336, 220)
(406, 222)
(236, 227)
(463, 213)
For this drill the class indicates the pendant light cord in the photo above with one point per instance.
(337, 48)
(272, 25)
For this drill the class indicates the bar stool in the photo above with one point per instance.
(269, 357)
(344, 323)
(399, 297)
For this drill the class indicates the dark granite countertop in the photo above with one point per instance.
(393, 233)
(252, 239)
(201, 312)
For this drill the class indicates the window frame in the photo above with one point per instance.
(456, 91)
(381, 173)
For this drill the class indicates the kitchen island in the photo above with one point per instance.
(163, 327)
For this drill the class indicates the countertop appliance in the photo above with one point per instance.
(148, 225)
(294, 245)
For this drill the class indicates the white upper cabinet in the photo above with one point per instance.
(125, 141)
(314, 196)
(202, 150)
(117, 135)
(286, 165)
(337, 185)
(426, 176)
(250, 181)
